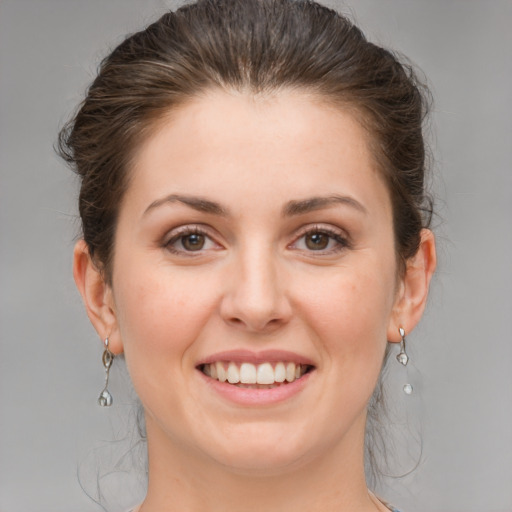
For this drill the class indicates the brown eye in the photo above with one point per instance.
(190, 241)
(193, 241)
(317, 241)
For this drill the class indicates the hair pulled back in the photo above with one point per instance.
(254, 46)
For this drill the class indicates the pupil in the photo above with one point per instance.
(193, 242)
(317, 241)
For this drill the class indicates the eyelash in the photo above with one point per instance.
(341, 241)
(180, 234)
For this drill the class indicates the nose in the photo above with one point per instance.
(255, 296)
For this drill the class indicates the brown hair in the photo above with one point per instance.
(255, 46)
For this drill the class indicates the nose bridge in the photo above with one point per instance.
(255, 297)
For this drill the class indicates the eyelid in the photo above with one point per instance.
(184, 230)
(339, 235)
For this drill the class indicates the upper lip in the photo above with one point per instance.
(263, 356)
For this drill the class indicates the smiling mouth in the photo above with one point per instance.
(255, 376)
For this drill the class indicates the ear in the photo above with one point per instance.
(97, 296)
(412, 293)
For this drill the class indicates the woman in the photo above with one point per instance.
(254, 234)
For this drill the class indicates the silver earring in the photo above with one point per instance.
(403, 358)
(105, 398)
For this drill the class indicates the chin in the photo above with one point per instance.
(260, 452)
(263, 462)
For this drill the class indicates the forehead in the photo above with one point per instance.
(288, 141)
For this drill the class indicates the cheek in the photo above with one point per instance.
(160, 315)
(351, 311)
(160, 318)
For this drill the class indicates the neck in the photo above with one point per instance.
(181, 480)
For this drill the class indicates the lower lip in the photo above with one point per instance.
(257, 397)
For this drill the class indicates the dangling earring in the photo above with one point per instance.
(105, 398)
(403, 358)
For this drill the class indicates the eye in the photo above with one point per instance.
(317, 241)
(193, 242)
(322, 240)
(190, 239)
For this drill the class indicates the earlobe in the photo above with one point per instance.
(97, 296)
(412, 296)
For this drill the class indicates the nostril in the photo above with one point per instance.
(253, 298)
(256, 325)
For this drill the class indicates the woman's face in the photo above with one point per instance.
(255, 240)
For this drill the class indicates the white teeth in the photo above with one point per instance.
(280, 372)
(248, 373)
(290, 372)
(233, 374)
(265, 374)
(221, 372)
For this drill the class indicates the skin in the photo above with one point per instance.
(256, 284)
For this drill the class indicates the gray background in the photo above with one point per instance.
(50, 372)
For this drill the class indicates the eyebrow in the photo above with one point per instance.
(197, 203)
(291, 208)
(317, 203)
